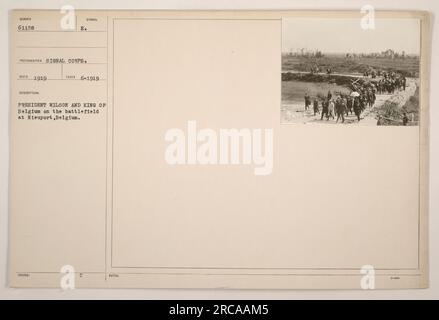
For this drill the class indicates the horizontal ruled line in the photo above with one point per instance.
(230, 274)
(75, 64)
(59, 47)
(63, 80)
(72, 31)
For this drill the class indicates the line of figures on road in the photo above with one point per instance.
(362, 96)
(390, 82)
(336, 107)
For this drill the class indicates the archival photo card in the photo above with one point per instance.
(148, 149)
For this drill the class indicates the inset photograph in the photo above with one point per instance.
(336, 72)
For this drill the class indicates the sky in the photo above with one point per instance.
(344, 35)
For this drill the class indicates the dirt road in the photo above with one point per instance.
(400, 97)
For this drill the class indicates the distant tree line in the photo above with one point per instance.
(389, 53)
(306, 53)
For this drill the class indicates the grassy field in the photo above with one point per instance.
(339, 64)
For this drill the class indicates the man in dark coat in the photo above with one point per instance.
(340, 109)
(350, 105)
(357, 108)
(325, 105)
(315, 106)
(307, 101)
(405, 119)
(380, 121)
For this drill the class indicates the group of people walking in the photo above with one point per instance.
(341, 105)
(363, 95)
(390, 82)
